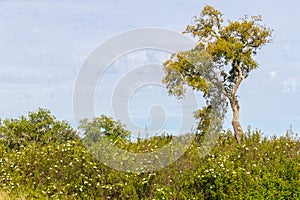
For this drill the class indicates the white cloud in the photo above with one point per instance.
(138, 57)
(290, 85)
(36, 30)
(287, 47)
(273, 74)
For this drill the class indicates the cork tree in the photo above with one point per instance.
(226, 48)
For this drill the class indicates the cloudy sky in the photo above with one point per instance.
(43, 45)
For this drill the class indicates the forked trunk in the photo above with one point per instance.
(238, 131)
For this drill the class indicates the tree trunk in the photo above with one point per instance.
(238, 131)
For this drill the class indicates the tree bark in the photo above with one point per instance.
(238, 131)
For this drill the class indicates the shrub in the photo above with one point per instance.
(43, 158)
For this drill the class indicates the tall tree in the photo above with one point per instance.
(227, 50)
(94, 129)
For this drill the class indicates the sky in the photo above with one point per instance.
(44, 44)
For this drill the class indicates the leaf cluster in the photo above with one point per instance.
(262, 168)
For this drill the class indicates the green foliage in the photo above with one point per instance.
(181, 71)
(261, 168)
(222, 58)
(39, 127)
(204, 119)
(234, 43)
(227, 48)
(102, 126)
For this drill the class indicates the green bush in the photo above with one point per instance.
(43, 158)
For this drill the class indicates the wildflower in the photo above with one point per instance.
(144, 182)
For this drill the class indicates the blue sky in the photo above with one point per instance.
(44, 44)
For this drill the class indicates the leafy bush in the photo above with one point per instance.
(43, 158)
(39, 127)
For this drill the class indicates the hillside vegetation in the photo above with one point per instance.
(43, 158)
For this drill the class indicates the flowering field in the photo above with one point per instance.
(42, 158)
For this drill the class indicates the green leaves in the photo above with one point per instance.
(102, 126)
(261, 168)
(222, 58)
(203, 115)
(187, 69)
(228, 45)
(40, 127)
(210, 23)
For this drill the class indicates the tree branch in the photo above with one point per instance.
(239, 78)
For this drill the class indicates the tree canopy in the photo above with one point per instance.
(39, 127)
(222, 58)
(102, 126)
